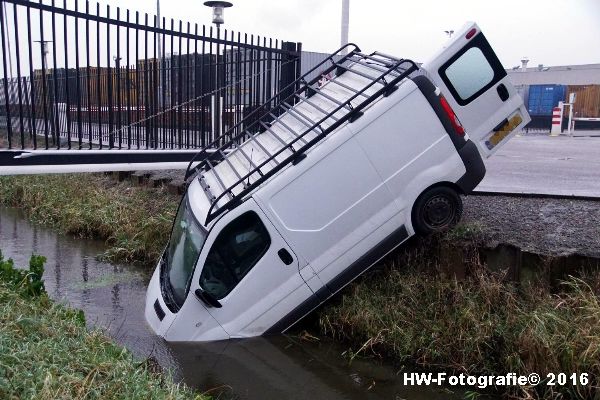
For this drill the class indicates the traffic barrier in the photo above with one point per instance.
(556, 121)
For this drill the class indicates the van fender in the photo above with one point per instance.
(447, 172)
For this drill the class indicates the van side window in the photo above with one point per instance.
(238, 247)
(472, 71)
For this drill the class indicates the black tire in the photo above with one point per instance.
(436, 210)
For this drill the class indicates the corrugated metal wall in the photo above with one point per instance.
(587, 103)
(523, 91)
(310, 59)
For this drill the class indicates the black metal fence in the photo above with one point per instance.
(100, 77)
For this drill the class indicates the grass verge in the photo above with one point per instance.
(412, 312)
(47, 352)
(135, 222)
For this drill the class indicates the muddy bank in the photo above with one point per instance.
(416, 310)
(134, 221)
(134, 215)
(552, 227)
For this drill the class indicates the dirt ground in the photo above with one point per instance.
(540, 225)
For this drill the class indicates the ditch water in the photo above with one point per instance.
(112, 297)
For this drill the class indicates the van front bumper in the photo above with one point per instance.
(474, 166)
(156, 312)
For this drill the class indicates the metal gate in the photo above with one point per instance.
(92, 78)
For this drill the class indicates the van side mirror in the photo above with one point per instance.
(207, 298)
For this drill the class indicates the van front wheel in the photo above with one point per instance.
(437, 209)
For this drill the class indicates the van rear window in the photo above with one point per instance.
(472, 70)
(470, 73)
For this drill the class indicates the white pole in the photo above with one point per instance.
(217, 107)
(213, 118)
(345, 23)
(571, 104)
(570, 118)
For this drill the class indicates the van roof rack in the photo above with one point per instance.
(280, 131)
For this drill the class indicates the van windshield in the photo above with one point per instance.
(181, 255)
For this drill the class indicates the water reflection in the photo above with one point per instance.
(112, 297)
(284, 367)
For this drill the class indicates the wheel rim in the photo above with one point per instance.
(439, 212)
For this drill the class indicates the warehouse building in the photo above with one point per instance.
(543, 87)
(588, 74)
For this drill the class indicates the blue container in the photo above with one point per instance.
(543, 98)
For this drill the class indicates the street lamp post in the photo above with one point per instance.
(345, 24)
(46, 98)
(117, 61)
(160, 58)
(218, 19)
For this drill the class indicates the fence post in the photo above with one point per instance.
(5, 80)
(290, 68)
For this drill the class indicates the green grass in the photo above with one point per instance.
(16, 140)
(465, 232)
(46, 352)
(135, 222)
(413, 313)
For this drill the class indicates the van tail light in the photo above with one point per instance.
(458, 128)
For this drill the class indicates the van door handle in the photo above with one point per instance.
(285, 256)
(502, 92)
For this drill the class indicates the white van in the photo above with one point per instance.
(325, 180)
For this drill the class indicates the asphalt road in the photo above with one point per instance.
(546, 165)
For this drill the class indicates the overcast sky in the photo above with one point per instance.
(549, 32)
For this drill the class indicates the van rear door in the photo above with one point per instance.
(477, 87)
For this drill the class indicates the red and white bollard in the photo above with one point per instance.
(557, 113)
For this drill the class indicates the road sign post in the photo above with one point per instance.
(571, 126)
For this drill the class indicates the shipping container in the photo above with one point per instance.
(543, 98)
(587, 101)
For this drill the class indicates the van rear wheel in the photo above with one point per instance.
(436, 210)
